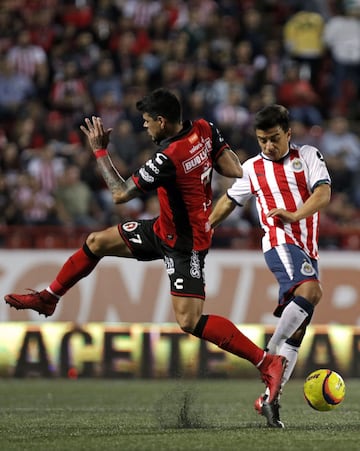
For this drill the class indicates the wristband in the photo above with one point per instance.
(100, 153)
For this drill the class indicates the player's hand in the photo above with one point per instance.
(97, 136)
(284, 215)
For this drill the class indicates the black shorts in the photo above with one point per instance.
(185, 269)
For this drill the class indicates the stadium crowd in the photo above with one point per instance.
(63, 60)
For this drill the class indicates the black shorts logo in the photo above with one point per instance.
(195, 269)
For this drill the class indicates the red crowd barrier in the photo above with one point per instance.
(55, 237)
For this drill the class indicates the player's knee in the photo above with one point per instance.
(186, 323)
(311, 291)
(95, 242)
(186, 326)
(315, 295)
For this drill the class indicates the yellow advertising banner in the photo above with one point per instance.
(60, 349)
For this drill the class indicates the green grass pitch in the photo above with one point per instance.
(167, 415)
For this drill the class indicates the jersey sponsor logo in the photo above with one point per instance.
(169, 265)
(297, 165)
(151, 166)
(197, 147)
(195, 270)
(146, 176)
(195, 161)
(307, 269)
(130, 226)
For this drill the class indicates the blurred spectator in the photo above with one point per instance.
(341, 149)
(299, 97)
(10, 209)
(64, 139)
(70, 95)
(10, 26)
(10, 162)
(342, 38)
(105, 80)
(124, 145)
(269, 65)
(109, 109)
(302, 135)
(46, 168)
(15, 89)
(77, 15)
(25, 133)
(303, 41)
(141, 11)
(36, 204)
(254, 29)
(75, 202)
(29, 59)
(231, 114)
(86, 53)
(43, 28)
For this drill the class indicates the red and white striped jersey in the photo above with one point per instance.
(287, 184)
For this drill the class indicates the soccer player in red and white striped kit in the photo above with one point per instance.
(290, 185)
(180, 171)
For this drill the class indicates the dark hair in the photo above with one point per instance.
(271, 116)
(161, 102)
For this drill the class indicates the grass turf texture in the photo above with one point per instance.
(38, 414)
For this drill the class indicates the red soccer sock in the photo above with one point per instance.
(227, 336)
(79, 265)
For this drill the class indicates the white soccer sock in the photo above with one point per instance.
(291, 319)
(291, 353)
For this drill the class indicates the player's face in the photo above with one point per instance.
(155, 127)
(274, 142)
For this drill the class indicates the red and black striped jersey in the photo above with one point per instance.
(181, 172)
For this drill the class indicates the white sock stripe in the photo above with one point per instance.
(261, 361)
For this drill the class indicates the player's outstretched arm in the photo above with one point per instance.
(222, 209)
(122, 190)
(228, 164)
(318, 200)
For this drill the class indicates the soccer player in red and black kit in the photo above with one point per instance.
(181, 172)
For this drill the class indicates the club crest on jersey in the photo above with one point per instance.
(130, 226)
(307, 269)
(297, 165)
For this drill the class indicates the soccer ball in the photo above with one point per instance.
(324, 390)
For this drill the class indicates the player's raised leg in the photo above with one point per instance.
(77, 266)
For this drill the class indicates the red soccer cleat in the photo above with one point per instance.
(272, 370)
(42, 302)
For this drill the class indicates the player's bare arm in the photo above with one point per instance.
(222, 209)
(318, 200)
(122, 190)
(228, 164)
